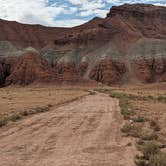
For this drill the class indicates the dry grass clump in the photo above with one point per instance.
(18, 102)
(131, 130)
(149, 149)
(139, 119)
(152, 156)
(135, 97)
(126, 110)
(158, 160)
(19, 115)
(154, 125)
(15, 117)
(2, 122)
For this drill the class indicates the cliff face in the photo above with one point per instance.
(108, 72)
(4, 72)
(129, 45)
(28, 68)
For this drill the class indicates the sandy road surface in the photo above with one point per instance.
(82, 133)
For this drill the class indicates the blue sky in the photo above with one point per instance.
(60, 13)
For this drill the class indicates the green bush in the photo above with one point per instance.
(141, 162)
(92, 93)
(15, 117)
(41, 109)
(139, 119)
(126, 110)
(154, 125)
(132, 130)
(149, 149)
(149, 137)
(2, 122)
(158, 160)
(24, 113)
(161, 99)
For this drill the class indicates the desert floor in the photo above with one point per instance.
(74, 126)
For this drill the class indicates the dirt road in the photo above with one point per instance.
(82, 133)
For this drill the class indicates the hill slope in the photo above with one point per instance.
(129, 45)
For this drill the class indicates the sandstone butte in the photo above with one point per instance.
(127, 46)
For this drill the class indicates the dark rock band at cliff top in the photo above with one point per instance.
(128, 46)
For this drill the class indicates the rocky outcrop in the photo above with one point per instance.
(147, 58)
(149, 20)
(150, 70)
(68, 72)
(4, 72)
(108, 72)
(138, 11)
(29, 68)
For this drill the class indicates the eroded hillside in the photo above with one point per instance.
(128, 46)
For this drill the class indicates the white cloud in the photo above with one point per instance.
(32, 11)
(117, 2)
(97, 12)
(160, 4)
(70, 23)
(39, 12)
(90, 7)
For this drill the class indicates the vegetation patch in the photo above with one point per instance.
(121, 95)
(139, 119)
(158, 160)
(152, 156)
(19, 115)
(154, 125)
(149, 149)
(2, 122)
(31, 102)
(161, 99)
(132, 130)
(126, 110)
(148, 142)
(15, 117)
(149, 137)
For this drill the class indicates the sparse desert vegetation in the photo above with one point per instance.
(144, 109)
(142, 126)
(19, 102)
(90, 95)
(83, 130)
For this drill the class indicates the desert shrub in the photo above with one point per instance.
(24, 113)
(140, 142)
(2, 122)
(117, 95)
(132, 130)
(92, 92)
(138, 97)
(139, 119)
(15, 117)
(161, 99)
(158, 160)
(149, 149)
(41, 109)
(126, 110)
(149, 137)
(141, 162)
(103, 90)
(154, 125)
(126, 128)
(150, 97)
